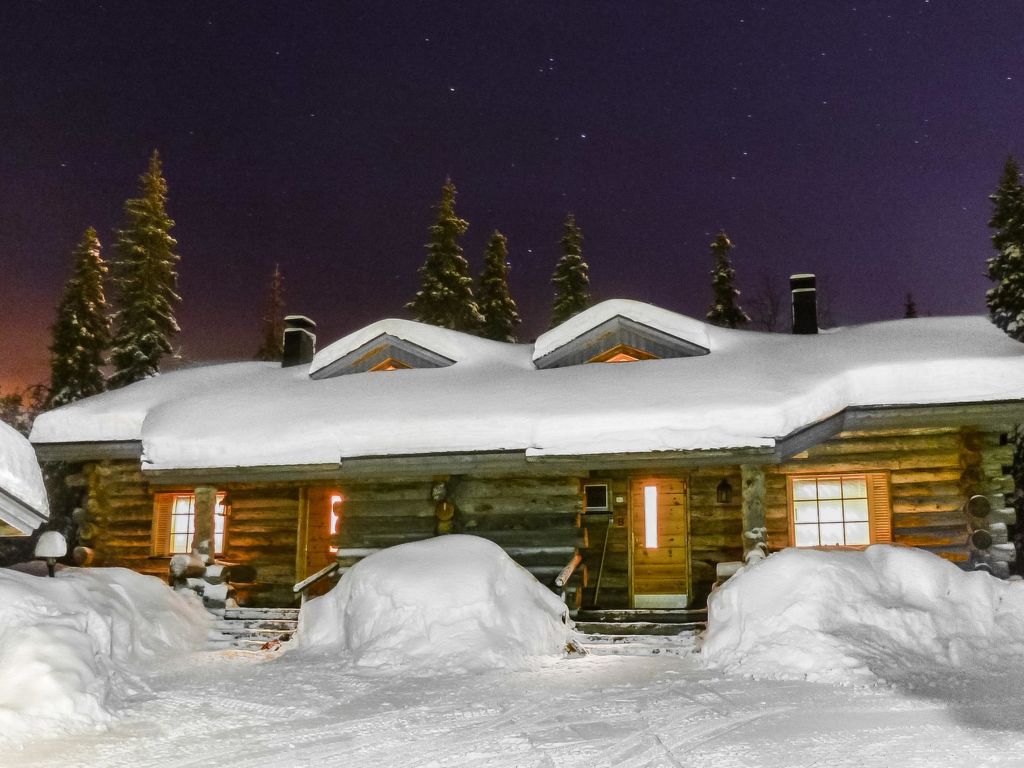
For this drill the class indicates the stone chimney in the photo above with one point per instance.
(805, 303)
(299, 341)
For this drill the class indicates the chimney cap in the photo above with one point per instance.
(299, 321)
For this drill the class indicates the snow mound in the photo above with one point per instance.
(70, 646)
(885, 615)
(451, 604)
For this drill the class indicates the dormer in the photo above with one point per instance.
(390, 345)
(621, 331)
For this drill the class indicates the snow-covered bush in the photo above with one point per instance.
(887, 614)
(70, 646)
(449, 604)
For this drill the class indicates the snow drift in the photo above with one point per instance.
(449, 604)
(887, 614)
(70, 646)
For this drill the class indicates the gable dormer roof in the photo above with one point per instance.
(644, 330)
(391, 344)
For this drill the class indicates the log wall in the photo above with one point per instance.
(261, 529)
(932, 472)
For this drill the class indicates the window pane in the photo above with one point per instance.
(184, 504)
(856, 509)
(806, 511)
(855, 488)
(832, 533)
(830, 489)
(805, 489)
(180, 543)
(830, 511)
(807, 535)
(857, 533)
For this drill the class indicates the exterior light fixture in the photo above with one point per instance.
(50, 546)
(724, 492)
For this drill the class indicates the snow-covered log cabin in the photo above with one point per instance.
(645, 446)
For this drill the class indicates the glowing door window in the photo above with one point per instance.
(335, 519)
(651, 516)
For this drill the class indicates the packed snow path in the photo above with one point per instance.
(236, 709)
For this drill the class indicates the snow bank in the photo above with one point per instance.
(449, 604)
(70, 646)
(19, 472)
(887, 614)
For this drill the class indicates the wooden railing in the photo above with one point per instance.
(302, 588)
(570, 568)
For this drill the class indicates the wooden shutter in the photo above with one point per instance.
(880, 507)
(163, 503)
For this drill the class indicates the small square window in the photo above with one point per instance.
(595, 498)
(832, 510)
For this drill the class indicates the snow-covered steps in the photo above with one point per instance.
(253, 628)
(640, 632)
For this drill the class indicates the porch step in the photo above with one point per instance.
(641, 645)
(253, 628)
(640, 632)
(647, 615)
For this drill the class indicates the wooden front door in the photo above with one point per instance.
(659, 553)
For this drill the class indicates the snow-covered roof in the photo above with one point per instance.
(750, 390)
(23, 503)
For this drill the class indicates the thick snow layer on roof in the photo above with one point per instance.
(887, 614)
(672, 323)
(71, 647)
(450, 604)
(451, 344)
(19, 471)
(751, 389)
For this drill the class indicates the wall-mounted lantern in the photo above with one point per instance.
(723, 493)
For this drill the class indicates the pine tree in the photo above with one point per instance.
(571, 278)
(725, 311)
(496, 304)
(147, 282)
(1005, 299)
(273, 321)
(446, 296)
(82, 330)
(909, 307)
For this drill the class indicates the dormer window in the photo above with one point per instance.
(390, 364)
(622, 353)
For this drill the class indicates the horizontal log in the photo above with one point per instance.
(518, 506)
(496, 522)
(420, 491)
(946, 474)
(365, 509)
(558, 537)
(938, 504)
(518, 487)
(945, 519)
(918, 537)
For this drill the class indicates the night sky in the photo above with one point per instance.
(857, 140)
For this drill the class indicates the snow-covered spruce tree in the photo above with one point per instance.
(725, 310)
(446, 296)
(146, 281)
(571, 278)
(496, 304)
(1005, 299)
(81, 333)
(273, 320)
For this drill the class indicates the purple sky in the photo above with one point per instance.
(857, 140)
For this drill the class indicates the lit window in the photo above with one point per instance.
(651, 516)
(390, 364)
(182, 523)
(831, 510)
(622, 353)
(335, 521)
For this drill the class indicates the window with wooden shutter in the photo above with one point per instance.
(839, 510)
(163, 503)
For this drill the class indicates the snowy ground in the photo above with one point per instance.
(233, 709)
